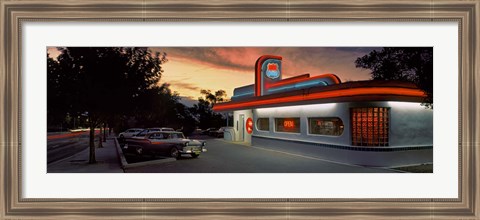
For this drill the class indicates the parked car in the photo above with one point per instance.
(172, 143)
(217, 133)
(144, 132)
(207, 131)
(129, 133)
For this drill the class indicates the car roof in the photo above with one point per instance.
(166, 132)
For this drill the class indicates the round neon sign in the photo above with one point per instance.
(249, 125)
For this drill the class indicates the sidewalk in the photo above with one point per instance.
(107, 161)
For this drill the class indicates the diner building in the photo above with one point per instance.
(369, 123)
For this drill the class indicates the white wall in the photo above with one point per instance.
(410, 123)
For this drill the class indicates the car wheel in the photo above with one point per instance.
(139, 150)
(174, 152)
(195, 155)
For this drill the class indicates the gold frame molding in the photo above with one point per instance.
(464, 12)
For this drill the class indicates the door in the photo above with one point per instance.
(241, 128)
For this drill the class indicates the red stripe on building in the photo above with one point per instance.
(291, 80)
(323, 95)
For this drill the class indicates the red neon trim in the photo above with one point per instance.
(324, 95)
(306, 75)
(258, 72)
(288, 80)
(333, 77)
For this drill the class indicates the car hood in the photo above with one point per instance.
(192, 142)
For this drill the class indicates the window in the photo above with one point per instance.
(143, 133)
(263, 124)
(370, 126)
(287, 125)
(325, 126)
(157, 136)
(175, 136)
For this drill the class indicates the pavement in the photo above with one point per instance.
(107, 161)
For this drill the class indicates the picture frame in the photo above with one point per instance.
(15, 13)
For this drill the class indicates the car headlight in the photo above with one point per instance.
(186, 144)
(203, 144)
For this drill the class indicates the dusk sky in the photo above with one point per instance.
(190, 69)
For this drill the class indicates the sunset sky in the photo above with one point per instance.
(190, 69)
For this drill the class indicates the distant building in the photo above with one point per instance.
(372, 123)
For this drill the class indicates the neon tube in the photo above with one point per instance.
(323, 95)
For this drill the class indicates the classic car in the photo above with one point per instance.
(217, 133)
(165, 142)
(207, 131)
(144, 132)
(129, 133)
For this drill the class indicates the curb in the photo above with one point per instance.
(120, 155)
(125, 165)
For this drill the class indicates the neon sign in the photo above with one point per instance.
(249, 125)
(289, 124)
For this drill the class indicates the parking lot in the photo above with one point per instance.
(229, 157)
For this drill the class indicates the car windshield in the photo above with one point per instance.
(175, 135)
(143, 133)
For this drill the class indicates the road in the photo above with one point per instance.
(227, 157)
(65, 144)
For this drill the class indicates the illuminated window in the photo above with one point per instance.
(287, 125)
(325, 126)
(263, 124)
(370, 126)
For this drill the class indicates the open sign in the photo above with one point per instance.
(289, 124)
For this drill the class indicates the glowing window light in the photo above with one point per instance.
(291, 125)
(370, 126)
(332, 126)
(288, 124)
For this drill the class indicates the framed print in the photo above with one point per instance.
(234, 109)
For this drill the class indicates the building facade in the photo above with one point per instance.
(370, 123)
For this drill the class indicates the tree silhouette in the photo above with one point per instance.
(203, 110)
(412, 64)
(101, 82)
(213, 98)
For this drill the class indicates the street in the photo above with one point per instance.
(227, 157)
(64, 144)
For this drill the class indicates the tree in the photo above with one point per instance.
(213, 98)
(412, 64)
(160, 106)
(101, 81)
(203, 110)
